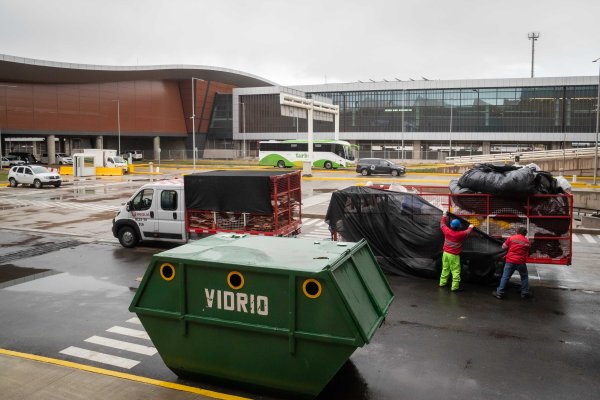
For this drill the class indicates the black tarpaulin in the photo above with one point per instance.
(404, 232)
(239, 191)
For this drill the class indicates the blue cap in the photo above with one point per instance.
(455, 224)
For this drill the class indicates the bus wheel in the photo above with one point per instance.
(328, 165)
(280, 164)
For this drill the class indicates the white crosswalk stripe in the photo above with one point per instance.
(58, 204)
(588, 237)
(109, 343)
(309, 221)
(129, 332)
(121, 345)
(100, 357)
(575, 239)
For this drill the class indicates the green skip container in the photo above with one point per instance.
(278, 313)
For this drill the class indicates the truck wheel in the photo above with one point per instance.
(57, 185)
(12, 182)
(280, 164)
(127, 237)
(37, 184)
(364, 172)
(328, 165)
(394, 172)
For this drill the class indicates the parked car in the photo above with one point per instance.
(28, 158)
(59, 158)
(368, 166)
(34, 175)
(9, 161)
(136, 155)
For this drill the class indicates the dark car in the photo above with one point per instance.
(368, 166)
(28, 158)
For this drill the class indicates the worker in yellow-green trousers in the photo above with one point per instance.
(453, 245)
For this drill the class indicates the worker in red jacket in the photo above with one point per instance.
(518, 249)
(453, 241)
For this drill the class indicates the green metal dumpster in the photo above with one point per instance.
(272, 312)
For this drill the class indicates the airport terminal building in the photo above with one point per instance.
(221, 112)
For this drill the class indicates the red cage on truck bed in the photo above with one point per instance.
(547, 218)
(253, 202)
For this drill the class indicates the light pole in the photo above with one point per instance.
(597, 124)
(6, 119)
(194, 150)
(119, 125)
(450, 130)
(533, 36)
(403, 107)
(244, 129)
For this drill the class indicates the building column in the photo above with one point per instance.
(416, 155)
(51, 149)
(156, 146)
(486, 148)
(99, 142)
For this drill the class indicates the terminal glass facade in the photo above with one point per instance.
(517, 109)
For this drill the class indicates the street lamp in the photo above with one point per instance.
(6, 115)
(119, 124)
(194, 150)
(597, 124)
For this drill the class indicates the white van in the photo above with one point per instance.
(155, 212)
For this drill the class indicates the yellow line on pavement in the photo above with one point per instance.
(122, 375)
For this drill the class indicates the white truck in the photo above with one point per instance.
(244, 202)
(106, 158)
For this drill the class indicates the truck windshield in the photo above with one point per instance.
(118, 159)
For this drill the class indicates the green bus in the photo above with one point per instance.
(327, 154)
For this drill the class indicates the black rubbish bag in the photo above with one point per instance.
(502, 180)
(404, 233)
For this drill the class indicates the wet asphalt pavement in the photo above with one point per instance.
(434, 344)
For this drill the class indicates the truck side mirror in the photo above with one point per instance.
(128, 206)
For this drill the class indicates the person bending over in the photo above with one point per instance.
(518, 249)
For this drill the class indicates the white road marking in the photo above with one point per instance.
(100, 357)
(129, 332)
(121, 345)
(575, 238)
(589, 238)
(134, 320)
(309, 221)
(65, 205)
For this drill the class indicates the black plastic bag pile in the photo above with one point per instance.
(508, 180)
(511, 186)
(404, 233)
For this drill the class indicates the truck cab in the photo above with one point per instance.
(155, 212)
(114, 161)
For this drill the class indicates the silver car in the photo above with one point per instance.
(33, 175)
(9, 161)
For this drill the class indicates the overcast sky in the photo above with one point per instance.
(313, 41)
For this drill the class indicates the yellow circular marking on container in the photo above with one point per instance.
(169, 275)
(234, 274)
(313, 295)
